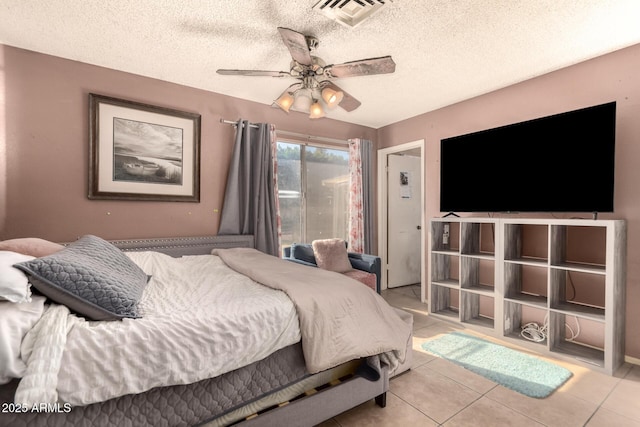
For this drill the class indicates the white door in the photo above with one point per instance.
(404, 216)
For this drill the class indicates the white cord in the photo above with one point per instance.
(574, 334)
(538, 333)
(534, 332)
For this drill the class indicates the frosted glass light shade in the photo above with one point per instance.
(285, 101)
(332, 97)
(303, 101)
(316, 111)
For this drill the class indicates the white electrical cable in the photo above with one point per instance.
(538, 333)
(534, 332)
(574, 334)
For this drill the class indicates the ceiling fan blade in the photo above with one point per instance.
(253, 73)
(348, 103)
(297, 45)
(363, 67)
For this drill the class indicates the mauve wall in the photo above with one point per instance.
(44, 149)
(612, 77)
(44, 145)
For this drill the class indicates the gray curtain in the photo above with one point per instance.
(250, 198)
(366, 152)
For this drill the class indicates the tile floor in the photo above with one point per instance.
(438, 393)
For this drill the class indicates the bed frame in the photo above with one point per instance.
(180, 246)
(315, 407)
(312, 407)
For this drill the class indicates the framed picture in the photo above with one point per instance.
(142, 152)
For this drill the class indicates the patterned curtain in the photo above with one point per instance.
(274, 159)
(360, 187)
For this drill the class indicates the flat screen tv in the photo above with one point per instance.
(559, 163)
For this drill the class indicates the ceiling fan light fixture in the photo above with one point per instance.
(303, 100)
(313, 74)
(285, 101)
(332, 97)
(316, 111)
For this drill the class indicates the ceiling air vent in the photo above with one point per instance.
(350, 12)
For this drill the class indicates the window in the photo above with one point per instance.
(313, 190)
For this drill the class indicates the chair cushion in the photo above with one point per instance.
(303, 252)
(331, 254)
(368, 279)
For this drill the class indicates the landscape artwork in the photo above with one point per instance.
(142, 152)
(147, 152)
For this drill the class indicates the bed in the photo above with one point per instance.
(297, 376)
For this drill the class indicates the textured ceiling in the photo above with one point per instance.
(446, 51)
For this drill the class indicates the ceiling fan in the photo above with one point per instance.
(315, 83)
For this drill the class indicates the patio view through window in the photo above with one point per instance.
(313, 190)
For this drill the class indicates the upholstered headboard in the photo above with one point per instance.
(179, 246)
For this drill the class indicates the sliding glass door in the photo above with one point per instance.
(313, 185)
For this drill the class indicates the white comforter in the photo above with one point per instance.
(200, 319)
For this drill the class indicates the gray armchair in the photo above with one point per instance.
(302, 253)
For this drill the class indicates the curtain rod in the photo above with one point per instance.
(311, 137)
(229, 122)
(295, 134)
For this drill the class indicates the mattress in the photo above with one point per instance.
(182, 405)
(221, 401)
(200, 320)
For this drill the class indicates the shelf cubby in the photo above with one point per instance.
(578, 247)
(578, 293)
(445, 269)
(477, 239)
(477, 274)
(444, 301)
(526, 243)
(588, 347)
(445, 237)
(518, 315)
(477, 309)
(525, 284)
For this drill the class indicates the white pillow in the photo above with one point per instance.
(15, 321)
(14, 285)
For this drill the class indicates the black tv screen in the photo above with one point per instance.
(559, 163)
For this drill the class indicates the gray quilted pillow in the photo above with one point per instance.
(91, 277)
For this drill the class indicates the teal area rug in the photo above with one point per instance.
(518, 371)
